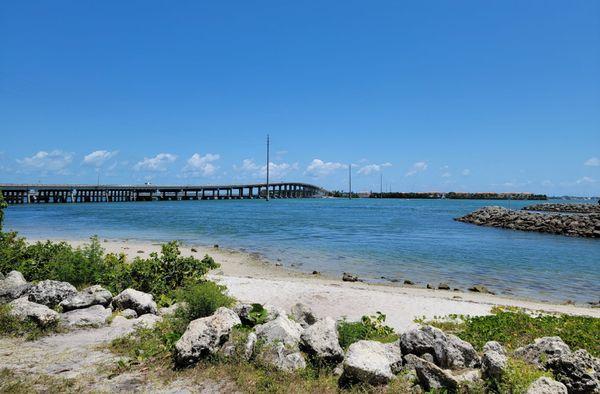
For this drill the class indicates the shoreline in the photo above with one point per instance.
(251, 277)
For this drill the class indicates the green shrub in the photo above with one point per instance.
(369, 328)
(3, 205)
(518, 376)
(257, 315)
(514, 328)
(202, 299)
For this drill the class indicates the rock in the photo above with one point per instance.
(23, 309)
(93, 295)
(493, 364)
(545, 385)
(249, 346)
(204, 336)
(348, 277)
(432, 377)
(448, 351)
(321, 341)
(147, 321)
(13, 286)
(480, 289)
(281, 330)
(443, 286)
(494, 346)
(140, 302)
(51, 292)
(93, 316)
(282, 357)
(316, 273)
(543, 349)
(429, 286)
(408, 282)
(467, 376)
(302, 314)
(129, 314)
(578, 371)
(372, 362)
(170, 310)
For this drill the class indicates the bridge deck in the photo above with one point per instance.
(78, 193)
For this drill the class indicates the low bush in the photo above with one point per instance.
(517, 377)
(11, 326)
(202, 299)
(514, 328)
(369, 328)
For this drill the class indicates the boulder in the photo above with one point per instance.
(129, 314)
(448, 351)
(51, 292)
(13, 286)
(578, 371)
(495, 346)
(140, 302)
(372, 362)
(348, 277)
(205, 336)
(545, 385)
(282, 357)
(480, 289)
(171, 310)
(432, 377)
(93, 295)
(281, 330)
(493, 363)
(23, 309)
(93, 316)
(543, 349)
(443, 286)
(302, 314)
(147, 321)
(249, 346)
(321, 341)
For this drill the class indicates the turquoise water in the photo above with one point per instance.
(399, 239)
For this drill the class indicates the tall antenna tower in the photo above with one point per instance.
(268, 143)
(381, 185)
(350, 181)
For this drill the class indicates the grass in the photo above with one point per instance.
(202, 299)
(369, 328)
(13, 383)
(515, 328)
(517, 378)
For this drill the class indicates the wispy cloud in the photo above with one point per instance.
(585, 180)
(55, 161)
(465, 172)
(98, 157)
(592, 162)
(319, 168)
(276, 170)
(417, 167)
(372, 168)
(156, 163)
(199, 165)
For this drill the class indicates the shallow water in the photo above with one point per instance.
(399, 239)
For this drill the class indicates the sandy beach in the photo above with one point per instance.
(251, 278)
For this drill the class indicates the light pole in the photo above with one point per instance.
(268, 142)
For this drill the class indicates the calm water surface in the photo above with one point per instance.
(401, 239)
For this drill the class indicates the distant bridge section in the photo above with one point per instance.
(65, 193)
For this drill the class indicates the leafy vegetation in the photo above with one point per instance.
(202, 299)
(160, 274)
(370, 327)
(11, 326)
(3, 205)
(258, 315)
(517, 377)
(514, 328)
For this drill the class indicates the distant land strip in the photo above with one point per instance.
(462, 196)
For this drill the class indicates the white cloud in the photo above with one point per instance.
(419, 166)
(446, 175)
(156, 163)
(371, 168)
(318, 168)
(466, 172)
(54, 161)
(592, 162)
(199, 165)
(98, 158)
(276, 170)
(585, 180)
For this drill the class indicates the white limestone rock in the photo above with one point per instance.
(139, 301)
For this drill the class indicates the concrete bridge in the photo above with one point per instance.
(39, 193)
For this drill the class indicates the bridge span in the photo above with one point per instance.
(68, 193)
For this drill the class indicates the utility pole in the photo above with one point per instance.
(350, 181)
(381, 185)
(268, 143)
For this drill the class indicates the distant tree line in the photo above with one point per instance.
(339, 193)
(463, 196)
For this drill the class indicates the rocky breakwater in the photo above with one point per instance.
(566, 208)
(575, 225)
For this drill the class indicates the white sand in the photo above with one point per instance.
(252, 279)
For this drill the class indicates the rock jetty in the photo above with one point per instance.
(567, 208)
(575, 225)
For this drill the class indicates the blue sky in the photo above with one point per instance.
(437, 95)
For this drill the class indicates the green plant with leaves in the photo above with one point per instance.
(257, 315)
(201, 299)
(370, 327)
